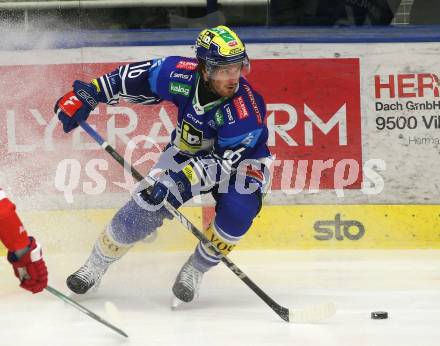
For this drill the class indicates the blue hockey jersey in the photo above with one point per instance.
(225, 124)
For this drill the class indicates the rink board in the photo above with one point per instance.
(276, 227)
(369, 113)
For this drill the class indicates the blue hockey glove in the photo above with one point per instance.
(170, 186)
(76, 105)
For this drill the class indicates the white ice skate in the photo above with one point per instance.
(187, 284)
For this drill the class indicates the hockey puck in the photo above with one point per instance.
(379, 315)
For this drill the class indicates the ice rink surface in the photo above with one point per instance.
(404, 283)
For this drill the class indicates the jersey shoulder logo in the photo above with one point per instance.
(187, 65)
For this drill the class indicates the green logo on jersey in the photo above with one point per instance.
(218, 117)
(179, 89)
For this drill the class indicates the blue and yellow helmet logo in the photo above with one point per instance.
(220, 46)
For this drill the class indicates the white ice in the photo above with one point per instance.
(406, 284)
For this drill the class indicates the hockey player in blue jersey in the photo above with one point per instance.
(218, 147)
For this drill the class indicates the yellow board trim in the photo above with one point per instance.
(276, 227)
(385, 226)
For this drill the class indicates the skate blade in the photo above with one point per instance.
(175, 303)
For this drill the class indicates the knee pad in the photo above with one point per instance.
(133, 223)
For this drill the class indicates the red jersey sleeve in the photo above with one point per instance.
(12, 232)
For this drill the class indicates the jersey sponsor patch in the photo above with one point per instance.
(177, 88)
(186, 65)
(190, 174)
(194, 119)
(240, 107)
(190, 136)
(228, 111)
(180, 75)
(254, 104)
(218, 117)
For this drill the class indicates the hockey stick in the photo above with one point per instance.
(306, 315)
(84, 310)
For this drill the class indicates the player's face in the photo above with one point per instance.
(224, 88)
(224, 79)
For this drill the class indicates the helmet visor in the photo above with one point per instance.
(228, 71)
